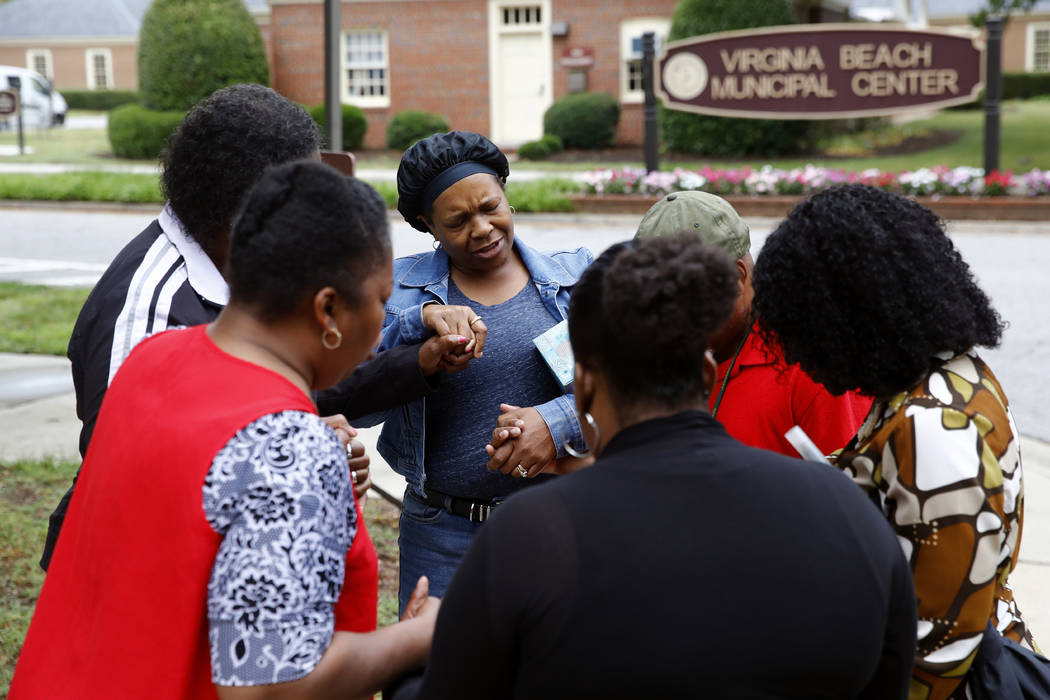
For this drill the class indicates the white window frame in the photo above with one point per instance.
(89, 64)
(49, 63)
(1029, 49)
(344, 66)
(630, 29)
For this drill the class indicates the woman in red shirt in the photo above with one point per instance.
(214, 547)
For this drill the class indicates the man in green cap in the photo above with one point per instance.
(757, 397)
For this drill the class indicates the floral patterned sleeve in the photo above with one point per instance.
(279, 494)
(944, 463)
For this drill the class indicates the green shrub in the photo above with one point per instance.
(583, 119)
(135, 132)
(728, 136)
(1024, 85)
(412, 125)
(99, 100)
(546, 146)
(1016, 86)
(547, 194)
(188, 49)
(388, 191)
(354, 125)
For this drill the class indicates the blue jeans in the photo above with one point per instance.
(431, 543)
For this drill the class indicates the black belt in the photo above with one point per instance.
(474, 511)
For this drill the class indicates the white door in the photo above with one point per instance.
(520, 69)
(523, 89)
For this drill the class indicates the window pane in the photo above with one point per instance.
(634, 75)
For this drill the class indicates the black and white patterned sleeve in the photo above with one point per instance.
(279, 493)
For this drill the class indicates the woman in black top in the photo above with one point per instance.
(682, 564)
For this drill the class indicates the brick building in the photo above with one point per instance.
(491, 66)
(82, 44)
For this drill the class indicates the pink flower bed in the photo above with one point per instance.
(767, 180)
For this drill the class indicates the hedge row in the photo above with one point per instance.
(1016, 86)
(99, 100)
(1024, 85)
(583, 119)
(135, 132)
(354, 125)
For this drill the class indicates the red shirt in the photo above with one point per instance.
(765, 398)
(122, 613)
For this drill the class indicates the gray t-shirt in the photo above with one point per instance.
(462, 414)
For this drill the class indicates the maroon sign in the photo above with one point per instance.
(8, 102)
(821, 71)
(577, 57)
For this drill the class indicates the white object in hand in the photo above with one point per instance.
(804, 445)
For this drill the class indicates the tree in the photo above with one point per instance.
(188, 49)
(722, 136)
(1003, 8)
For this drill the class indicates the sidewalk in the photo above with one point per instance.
(38, 415)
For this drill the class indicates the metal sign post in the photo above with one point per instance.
(993, 92)
(333, 109)
(652, 152)
(11, 104)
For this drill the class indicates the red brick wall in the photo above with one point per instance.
(438, 58)
(593, 25)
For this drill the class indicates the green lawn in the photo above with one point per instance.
(61, 145)
(38, 319)
(29, 491)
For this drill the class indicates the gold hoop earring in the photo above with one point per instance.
(331, 345)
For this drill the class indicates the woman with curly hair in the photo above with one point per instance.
(865, 291)
(672, 567)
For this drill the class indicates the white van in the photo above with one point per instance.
(42, 105)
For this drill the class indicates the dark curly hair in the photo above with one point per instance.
(305, 226)
(643, 311)
(222, 148)
(863, 289)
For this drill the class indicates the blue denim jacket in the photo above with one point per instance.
(423, 278)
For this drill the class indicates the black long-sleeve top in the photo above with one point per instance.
(682, 564)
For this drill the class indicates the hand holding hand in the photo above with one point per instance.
(521, 444)
(360, 469)
(445, 352)
(457, 320)
(356, 459)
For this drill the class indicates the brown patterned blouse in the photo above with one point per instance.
(942, 461)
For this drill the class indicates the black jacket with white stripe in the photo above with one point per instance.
(162, 279)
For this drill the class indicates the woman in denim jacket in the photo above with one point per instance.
(498, 418)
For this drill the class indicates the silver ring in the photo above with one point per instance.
(473, 321)
(522, 471)
(353, 476)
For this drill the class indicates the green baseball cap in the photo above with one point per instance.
(707, 215)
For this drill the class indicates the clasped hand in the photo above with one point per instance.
(521, 437)
(457, 340)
